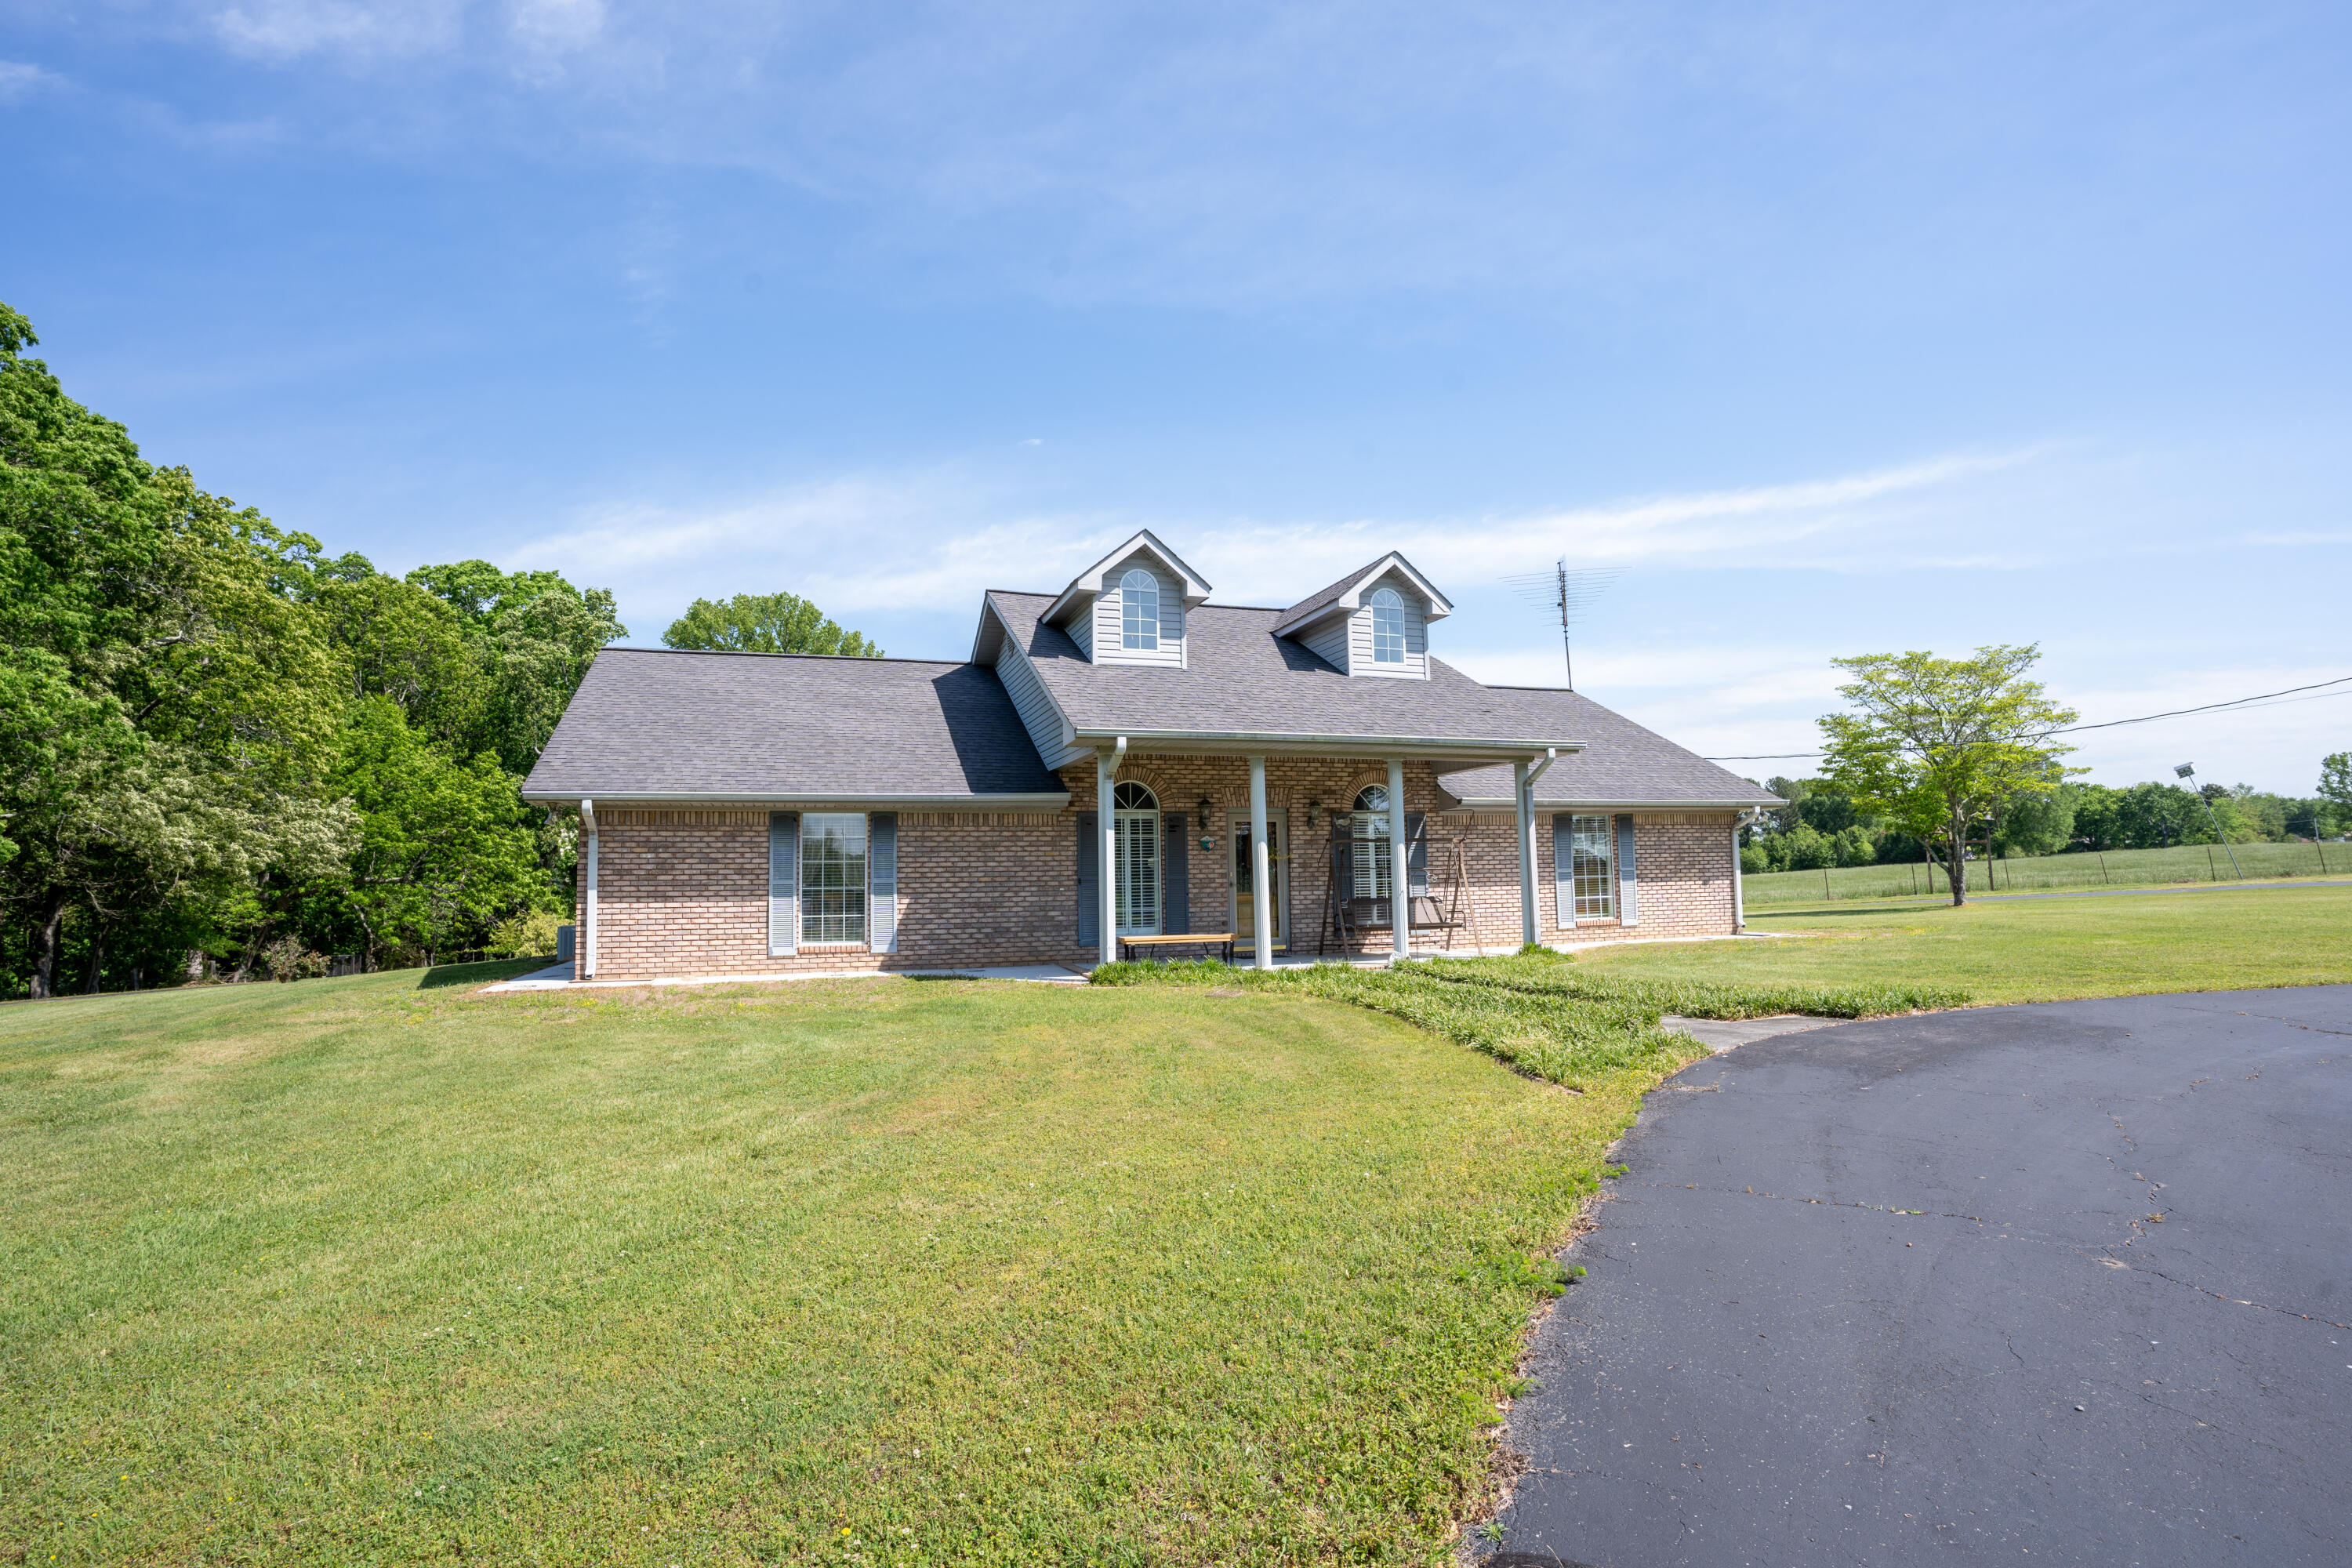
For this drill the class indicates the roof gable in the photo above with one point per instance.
(1092, 581)
(1347, 594)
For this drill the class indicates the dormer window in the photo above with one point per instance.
(1373, 621)
(1138, 594)
(1129, 606)
(1388, 627)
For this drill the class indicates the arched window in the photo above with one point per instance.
(1135, 824)
(1388, 627)
(1139, 610)
(1373, 862)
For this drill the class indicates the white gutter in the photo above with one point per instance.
(1373, 746)
(1551, 756)
(1503, 803)
(1738, 888)
(1054, 800)
(588, 891)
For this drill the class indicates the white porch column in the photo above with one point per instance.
(1261, 870)
(1107, 851)
(588, 899)
(1525, 792)
(1400, 875)
(1739, 891)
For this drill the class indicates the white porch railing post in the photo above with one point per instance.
(1261, 871)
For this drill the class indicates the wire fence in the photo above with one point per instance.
(2182, 863)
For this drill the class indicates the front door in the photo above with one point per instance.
(1278, 847)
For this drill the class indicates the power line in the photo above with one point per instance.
(2262, 698)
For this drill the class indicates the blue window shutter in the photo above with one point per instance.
(1628, 911)
(1089, 883)
(882, 882)
(1563, 867)
(1416, 859)
(1175, 889)
(783, 882)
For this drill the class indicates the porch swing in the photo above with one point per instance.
(1348, 918)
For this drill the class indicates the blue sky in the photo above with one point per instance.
(1841, 329)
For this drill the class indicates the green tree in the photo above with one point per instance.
(446, 849)
(536, 635)
(164, 703)
(399, 640)
(1938, 746)
(2335, 786)
(765, 623)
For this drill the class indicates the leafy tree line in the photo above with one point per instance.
(223, 752)
(1935, 756)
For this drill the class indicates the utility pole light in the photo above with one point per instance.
(2188, 771)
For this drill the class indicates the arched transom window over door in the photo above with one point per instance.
(1135, 829)
(1138, 610)
(1372, 858)
(1388, 627)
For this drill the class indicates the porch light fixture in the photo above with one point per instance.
(1312, 807)
(1208, 839)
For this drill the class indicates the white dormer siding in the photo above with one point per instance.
(1103, 634)
(1346, 639)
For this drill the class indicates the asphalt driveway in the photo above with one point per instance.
(2051, 1284)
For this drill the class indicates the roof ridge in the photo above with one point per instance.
(762, 653)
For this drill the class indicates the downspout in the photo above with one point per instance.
(1740, 889)
(588, 892)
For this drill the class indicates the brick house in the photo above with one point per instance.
(771, 815)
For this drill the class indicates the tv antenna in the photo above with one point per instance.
(1568, 594)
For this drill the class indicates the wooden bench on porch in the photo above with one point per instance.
(1203, 939)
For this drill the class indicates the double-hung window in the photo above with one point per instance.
(1596, 889)
(833, 876)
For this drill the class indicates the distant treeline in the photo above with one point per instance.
(1821, 827)
(225, 753)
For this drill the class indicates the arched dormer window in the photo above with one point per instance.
(1388, 627)
(1139, 610)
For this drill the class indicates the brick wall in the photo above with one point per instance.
(686, 892)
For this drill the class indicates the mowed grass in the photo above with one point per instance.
(2036, 950)
(877, 1272)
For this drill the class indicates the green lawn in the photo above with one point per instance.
(2033, 950)
(382, 1270)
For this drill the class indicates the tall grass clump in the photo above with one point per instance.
(1535, 1010)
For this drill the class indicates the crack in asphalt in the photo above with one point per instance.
(2234, 1301)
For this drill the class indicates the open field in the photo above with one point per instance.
(2032, 950)
(877, 1272)
(2110, 868)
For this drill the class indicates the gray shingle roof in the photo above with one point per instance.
(1621, 764)
(653, 723)
(1242, 680)
(1323, 596)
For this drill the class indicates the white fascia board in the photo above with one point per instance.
(991, 632)
(1503, 803)
(1440, 607)
(812, 800)
(1089, 583)
(1484, 751)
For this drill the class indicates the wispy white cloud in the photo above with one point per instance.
(19, 79)
(354, 30)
